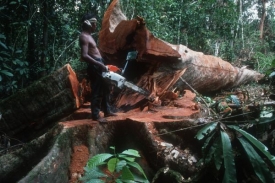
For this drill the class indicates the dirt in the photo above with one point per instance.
(79, 159)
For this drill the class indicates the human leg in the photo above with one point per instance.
(106, 100)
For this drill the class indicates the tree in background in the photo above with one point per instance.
(37, 37)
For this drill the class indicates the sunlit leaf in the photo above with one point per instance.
(98, 159)
(112, 163)
(131, 152)
(126, 157)
(120, 165)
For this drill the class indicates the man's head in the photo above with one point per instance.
(89, 22)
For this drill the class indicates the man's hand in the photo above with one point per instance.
(104, 68)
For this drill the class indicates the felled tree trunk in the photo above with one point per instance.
(204, 73)
(40, 104)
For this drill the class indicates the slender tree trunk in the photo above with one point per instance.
(263, 15)
(45, 36)
(31, 57)
(179, 29)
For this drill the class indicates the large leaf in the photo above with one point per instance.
(120, 165)
(131, 152)
(112, 163)
(259, 166)
(260, 146)
(92, 173)
(7, 73)
(137, 166)
(126, 157)
(207, 129)
(229, 162)
(207, 143)
(126, 174)
(218, 154)
(212, 150)
(98, 159)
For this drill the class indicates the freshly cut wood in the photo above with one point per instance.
(204, 73)
(45, 101)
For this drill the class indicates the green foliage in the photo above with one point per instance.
(224, 146)
(265, 63)
(114, 168)
(38, 37)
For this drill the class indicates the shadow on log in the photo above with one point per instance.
(41, 104)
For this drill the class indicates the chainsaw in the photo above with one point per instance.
(121, 83)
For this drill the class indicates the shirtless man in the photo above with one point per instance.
(91, 55)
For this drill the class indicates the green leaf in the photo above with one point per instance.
(0, 78)
(95, 181)
(207, 143)
(259, 166)
(93, 173)
(229, 162)
(112, 163)
(126, 157)
(126, 174)
(261, 147)
(7, 73)
(3, 45)
(131, 152)
(218, 156)
(137, 166)
(118, 181)
(212, 150)
(98, 159)
(120, 165)
(2, 36)
(206, 130)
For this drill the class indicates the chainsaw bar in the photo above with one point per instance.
(136, 88)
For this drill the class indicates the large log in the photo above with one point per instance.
(205, 73)
(42, 103)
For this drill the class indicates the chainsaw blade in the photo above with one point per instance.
(136, 88)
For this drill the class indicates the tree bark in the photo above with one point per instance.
(40, 104)
(263, 16)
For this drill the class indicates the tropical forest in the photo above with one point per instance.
(192, 87)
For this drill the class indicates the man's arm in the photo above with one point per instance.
(84, 45)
